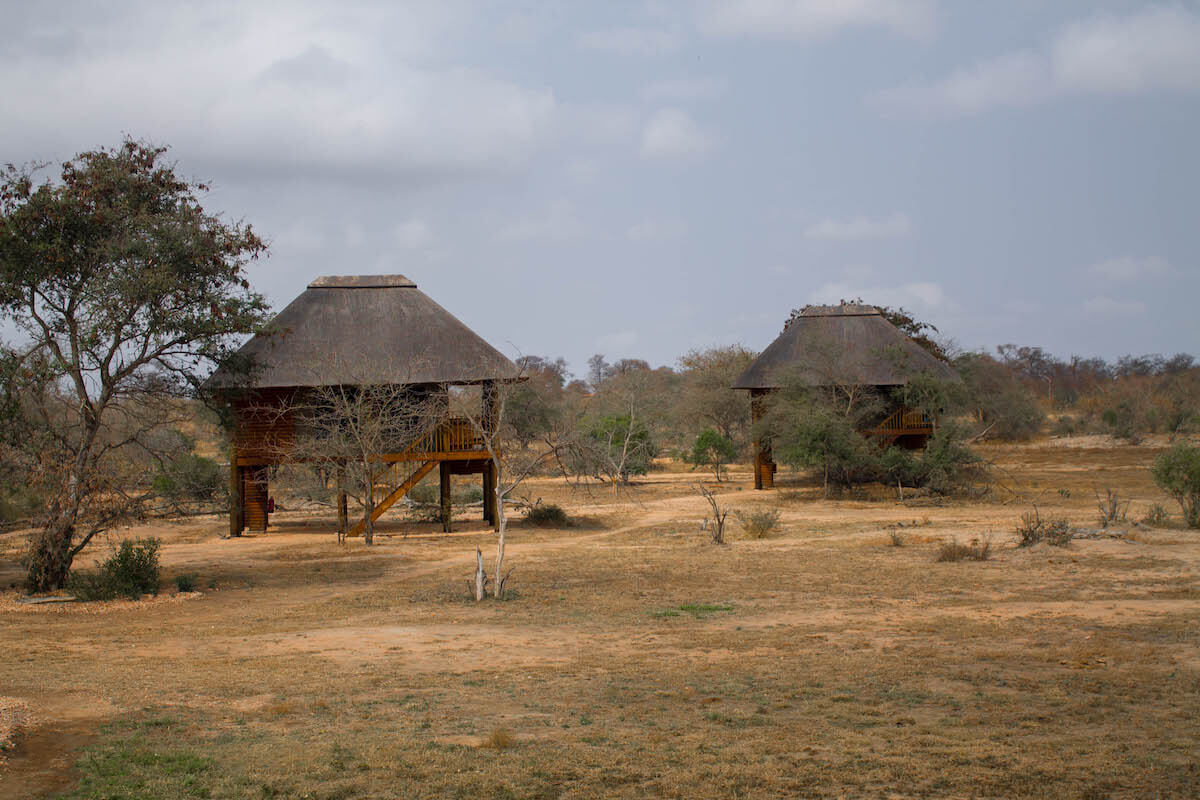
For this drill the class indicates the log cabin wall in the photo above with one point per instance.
(264, 426)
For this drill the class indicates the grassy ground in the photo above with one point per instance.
(634, 659)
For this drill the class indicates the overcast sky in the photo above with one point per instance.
(642, 178)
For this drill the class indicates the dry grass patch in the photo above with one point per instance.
(639, 661)
(975, 550)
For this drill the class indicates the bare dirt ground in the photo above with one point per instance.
(634, 658)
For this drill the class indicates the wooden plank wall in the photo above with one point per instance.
(254, 497)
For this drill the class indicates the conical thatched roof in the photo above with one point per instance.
(847, 344)
(365, 329)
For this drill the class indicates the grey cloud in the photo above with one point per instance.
(1156, 49)
(808, 19)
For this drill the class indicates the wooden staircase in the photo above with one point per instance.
(903, 422)
(388, 480)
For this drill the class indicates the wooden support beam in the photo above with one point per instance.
(489, 495)
(764, 462)
(447, 510)
(342, 506)
(236, 521)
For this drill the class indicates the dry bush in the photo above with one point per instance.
(499, 739)
(1033, 529)
(1112, 508)
(718, 515)
(896, 538)
(1157, 516)
(758, 524)
(975, 550)
(547, 515)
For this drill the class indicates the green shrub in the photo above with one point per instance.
(131, 571)
(90, 586)
(190, 477)
(1121, 421)
(758, 524)
(427, 493)
(548, 515)
(185, 583)
(1177, 472)
(1067, 425)
(814, 435)
(431, 494)
(713, 450)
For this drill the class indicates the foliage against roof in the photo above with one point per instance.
(849, 344)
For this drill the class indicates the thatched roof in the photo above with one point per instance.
(845, 344)
(363, 329)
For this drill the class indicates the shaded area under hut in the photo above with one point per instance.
(851, 346)
(302, 382)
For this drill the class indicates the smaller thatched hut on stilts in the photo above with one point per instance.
(847, 345)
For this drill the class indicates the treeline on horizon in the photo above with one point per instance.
(1015, 393)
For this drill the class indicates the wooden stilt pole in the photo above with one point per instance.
(489, 470)
(342, 507)
(764, 463)
(235, 494)
(447, 511)
(489, 495)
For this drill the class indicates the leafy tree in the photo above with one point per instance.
(708, 399)
(809, 428)
(536, 403)
(1177, 472)
(946, 464)
(711, 449)
(190, 477)
(1000, 404)
(127, 293)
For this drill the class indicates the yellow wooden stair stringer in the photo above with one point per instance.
(396, 494)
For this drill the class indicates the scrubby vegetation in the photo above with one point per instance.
(1033, 529)
(1177, 472)
(191, 477)
(548, 515)
(760, 523)
(975, 550)
(712, 450)
(131, 571)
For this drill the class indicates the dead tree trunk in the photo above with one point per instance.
(479, 586)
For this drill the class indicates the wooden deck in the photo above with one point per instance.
(454, 440)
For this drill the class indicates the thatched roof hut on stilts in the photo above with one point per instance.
(358, 330)
(844, 345)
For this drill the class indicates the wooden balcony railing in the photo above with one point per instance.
(451, 436)
(904, 421)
